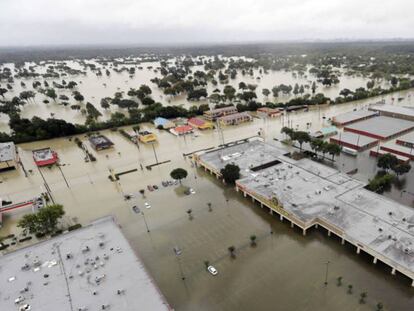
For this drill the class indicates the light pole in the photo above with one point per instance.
(145, 221)
(155, 154)
(326, 273)
(178, 252)
(63, 175)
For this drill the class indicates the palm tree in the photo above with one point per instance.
(362, 297)
(209, 207)
(190, 214)
(253, 240)
(350, 289)
(339, 280)
(232, 250)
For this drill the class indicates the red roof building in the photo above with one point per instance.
(182, 130)
(45, 157)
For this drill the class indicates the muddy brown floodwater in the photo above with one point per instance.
(285, 271)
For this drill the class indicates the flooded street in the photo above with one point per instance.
(285, 271)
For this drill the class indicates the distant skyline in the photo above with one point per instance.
(59, 22)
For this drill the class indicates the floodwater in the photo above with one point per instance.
(94, 88)
(285, 271)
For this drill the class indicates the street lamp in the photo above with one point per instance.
(178, 252)
(326, 273)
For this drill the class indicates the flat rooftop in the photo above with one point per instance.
(7, 152)
(353, 116)
(381, 127)
(314, 193)
(245, 155)
(407, 138)
(391, 109)
(84, 269)
(351, 138)
(99, 139)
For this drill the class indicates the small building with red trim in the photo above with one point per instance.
(45, 157)
(181, 130)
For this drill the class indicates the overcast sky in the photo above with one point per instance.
(54, 22)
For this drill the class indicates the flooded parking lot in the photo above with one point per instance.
(285, 271)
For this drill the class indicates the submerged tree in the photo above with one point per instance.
(178, 174)
(230, 173)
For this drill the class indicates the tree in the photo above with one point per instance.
(190, 214)
(302, 137)
(242, 86)
(51, 93)
(229, 92)
(380, 306)
(313, 87)
(230, 173)
(105, 103)
(350, 289)
(206, 263)
(232, 250)
(44, 221)
(362, 297)
(78, 96)
(401, 168)
(288, 131)
(253, 240)
(339, 280)
(266, 92)
(387, 161)
(394, 81)
(296, 89)
(210, 209)
(178, 174)
(3, 91)
(333, 149)
(275, 91)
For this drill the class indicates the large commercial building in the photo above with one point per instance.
(311, 195)
(92, 268)
(406, 113)
(381, 127)
(352, 116)
(8, 156)
(354, 141)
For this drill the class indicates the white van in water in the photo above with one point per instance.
(350, 151)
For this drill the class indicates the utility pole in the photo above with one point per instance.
(46, 184)
(63, 175)
(177, 252)
(155, 154)
(326, 273)
(145, 221)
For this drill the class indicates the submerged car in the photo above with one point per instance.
(212, 270)
(136, 209)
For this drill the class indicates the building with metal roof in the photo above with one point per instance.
(381, 127)
(164, 123)
(92, 268)
(8, 156)
(352, 116)
(354, 141)
(406, 113)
